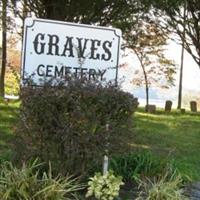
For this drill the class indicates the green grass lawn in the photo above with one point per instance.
(8, 116)
(174, 135)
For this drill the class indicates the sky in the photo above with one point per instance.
(191, 71)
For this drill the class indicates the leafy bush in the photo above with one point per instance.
(167, 187)
(134, 166)
(29, 183)
(67, 124)
(104, 187)
(12, 82)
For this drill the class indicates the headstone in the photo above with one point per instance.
(182, 111)
(151, 109)
(137, 102)
(193, 106)
(6, 101)
(168, 106)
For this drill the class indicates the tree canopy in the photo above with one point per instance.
(101, 12)
(187, 26)
(148, 43)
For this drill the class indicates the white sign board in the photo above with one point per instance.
(56, 49)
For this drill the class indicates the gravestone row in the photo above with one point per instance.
(168, 107)
(193, 106)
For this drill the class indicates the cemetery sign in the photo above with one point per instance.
(56, 49)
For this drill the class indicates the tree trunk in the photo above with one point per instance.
(146, 86)
(147, 91)
(181, 79)
(145, 78)
(4, 56)
(182, 60)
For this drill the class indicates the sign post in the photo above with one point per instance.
(105, 158)
(56, 49)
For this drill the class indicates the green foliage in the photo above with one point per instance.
(12, 82)
(67, 125)
(134, 166)
(119, 13)
(29, 182)
(1, 99)
(166, 187)
(104, 187)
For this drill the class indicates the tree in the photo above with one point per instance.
(7, 27)
(147, 42)
(100, 12)
(4, 51)
(188, 25)
(182, 17)
(182, 60)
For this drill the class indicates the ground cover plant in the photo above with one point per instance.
(104, 187)
(165, 187)
(30, 182)
(135, 166)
